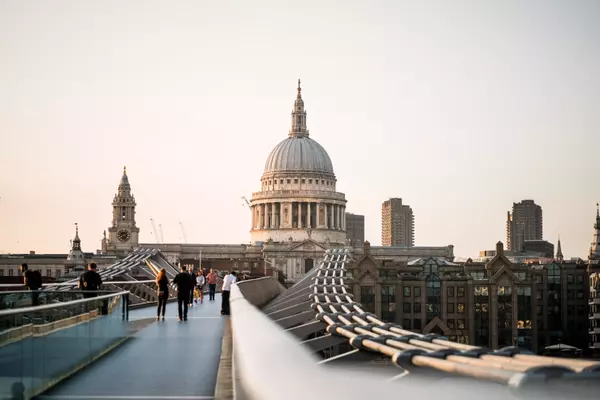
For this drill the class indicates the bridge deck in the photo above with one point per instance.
(169, 359)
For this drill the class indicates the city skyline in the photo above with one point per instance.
(167, 94)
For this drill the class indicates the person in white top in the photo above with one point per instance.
(229, 280)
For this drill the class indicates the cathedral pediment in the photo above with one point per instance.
(307, 245)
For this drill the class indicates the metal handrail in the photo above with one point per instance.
(365, 331)
(76, 291)
(268, 362)
(13, 311)
(75, 283)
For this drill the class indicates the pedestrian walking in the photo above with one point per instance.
(200, 281)
(228, 280)
(163, 293)
(185, 285)
(212, 284)
(193, 278)
(90, 281)
(33, 280)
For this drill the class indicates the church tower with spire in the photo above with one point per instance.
(123, 235)
(559, 254)
(595, 247)
(76, 258)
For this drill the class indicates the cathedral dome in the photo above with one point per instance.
(299, 154)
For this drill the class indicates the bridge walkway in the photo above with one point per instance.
(170, 359)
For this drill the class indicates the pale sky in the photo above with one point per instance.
(459, 107)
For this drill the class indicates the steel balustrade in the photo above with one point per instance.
(365, 331)
(426, 358)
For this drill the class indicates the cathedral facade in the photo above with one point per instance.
(297, 214)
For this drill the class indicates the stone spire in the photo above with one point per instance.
(124, 201)
(559, 254)
(298, 116)
(595, 248)
(124, 186)
(76, 240)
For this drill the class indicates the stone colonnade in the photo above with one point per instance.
(300, 215)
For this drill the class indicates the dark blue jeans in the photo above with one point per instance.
(183, 299)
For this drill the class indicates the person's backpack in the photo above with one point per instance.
(35, 280)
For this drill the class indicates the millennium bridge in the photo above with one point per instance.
(310, 341)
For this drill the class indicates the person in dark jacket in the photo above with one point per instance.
(185, 285)
(90, 281)
(163, 293)
(33, 280)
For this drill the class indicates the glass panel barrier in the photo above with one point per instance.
(28, 298)
(39, 346)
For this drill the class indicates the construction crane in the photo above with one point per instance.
(247, 202)
(154, 231)
(183, 232)
(162, 238)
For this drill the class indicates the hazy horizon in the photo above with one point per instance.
(460, 108)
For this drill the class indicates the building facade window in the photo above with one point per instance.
(478, 275)
(554, 298)
(482, 316)
(406, 290)
(417, 291)
(367, 298)
(388, 303)
(504, 301)
(432, 282)
(524, 335)
(416, 307)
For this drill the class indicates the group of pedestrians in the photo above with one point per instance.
(89, 282)
(187, 283)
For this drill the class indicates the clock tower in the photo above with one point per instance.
(123, 235)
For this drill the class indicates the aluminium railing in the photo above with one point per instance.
(269, 361)
(41, 345)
